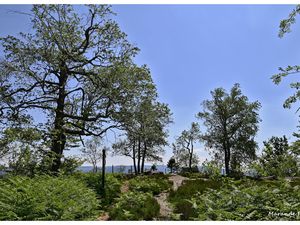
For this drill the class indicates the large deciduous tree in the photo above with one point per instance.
(231, 124)
(75, 70)
(183, 148)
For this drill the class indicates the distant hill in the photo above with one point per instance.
(123, 169)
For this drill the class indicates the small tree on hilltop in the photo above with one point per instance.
(183, 148)
(171, 164)
(231, 124)
(92, 152)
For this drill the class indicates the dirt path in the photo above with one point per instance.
(177, 181)
(162, 199)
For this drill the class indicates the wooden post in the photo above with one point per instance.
(103, 169)
(112, 168)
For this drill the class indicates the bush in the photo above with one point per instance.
(153, 184)
(46, 198)
(249, 201)
(135, 206)
(212, 170)
(194, 175)
(194, 169)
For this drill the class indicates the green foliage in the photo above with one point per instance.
(248, 201)
(92, 79)
(23, 162)
(154, 167)
(153, 184)
(92, 151)
(135, 206)
(285, 27)
(277, 159)
(181, 197)
(46, 198)
(183, 148)
(195, 175)
(172, 164)
(70, 165)
(232, 123)
(212, 169)
(94, 181)
(191, 187)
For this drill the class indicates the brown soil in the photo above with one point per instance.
(162, 199)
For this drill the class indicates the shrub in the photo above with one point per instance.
(46, 198)
(212, 170)
(194, 175)
(249, 201)
(153, 184)
(185, 209)
(135, 206)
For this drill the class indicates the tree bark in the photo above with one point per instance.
(143, 156)
(227, 160)
(139, 156)
(191, 156)
(58, 136)
(134, 158)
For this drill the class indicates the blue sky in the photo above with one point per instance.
(192, 49)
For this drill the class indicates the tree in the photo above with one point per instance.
(285, 27)
(145, 133)
(21, 149)
(92, 152)
(231, 124)
(278, 159)
(75, 69)
(183, 148)
(153, 167)
(171, 164)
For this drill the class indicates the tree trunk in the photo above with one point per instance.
(191, 156)
(58, 135)
(103, 170)
(139, 156)
(227, 160)
(134, 158)
(143, 157)
(94, 167)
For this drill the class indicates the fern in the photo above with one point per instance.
(46, 198)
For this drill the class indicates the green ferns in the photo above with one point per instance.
(94, 181)
(139, 203)
(154, 185)
(248, 201)
(46, 198)
(135, 206)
